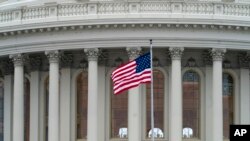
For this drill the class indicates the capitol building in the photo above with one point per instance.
(57, 56)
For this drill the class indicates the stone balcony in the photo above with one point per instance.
(119, 12)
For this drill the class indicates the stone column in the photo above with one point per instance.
(217, 103)
(208, 62)
(244, 88)
(65, 97)
(53, 127)
(8, 99)
(134, 110)
(176, 95)
(92, 133)
(18, 104)
(35, 63)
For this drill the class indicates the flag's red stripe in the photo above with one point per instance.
(138, 78)
(132, 86)
(122, 66)
(131, 80)
(131, 76)
(120, 70)
(132, 83)
(125, 72)
(120, 78)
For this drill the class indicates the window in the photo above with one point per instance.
(227, 103)
(1, 109)
(119, 114)
(26, 109)
(191, 105)
(158, 106)
(82, 105)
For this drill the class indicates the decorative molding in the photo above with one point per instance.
(53, 56)
(66, 59)
(218, 54)
(92, 54)
(133, 52)
(57, 28)
(18, 59)
(244, 59)
(35, 62)
(176, 52)
(7, 66)
(227, 64)
(191, 62)
(207, 58)
(103, 57)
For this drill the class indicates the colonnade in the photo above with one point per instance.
(134, 115)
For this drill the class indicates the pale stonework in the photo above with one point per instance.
(99, 32)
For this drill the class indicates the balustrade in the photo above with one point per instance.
(120, 7)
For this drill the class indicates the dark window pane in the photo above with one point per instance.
(227, 103)
(82, 105)
(158, 106)
(191, 105)
(119, 114)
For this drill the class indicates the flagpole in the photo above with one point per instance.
(152, 92)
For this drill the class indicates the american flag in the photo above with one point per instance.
(132, 74)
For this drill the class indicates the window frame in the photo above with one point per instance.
(164, 71)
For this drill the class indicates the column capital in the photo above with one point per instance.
(92, 53)
(218, 54)
(133, 52)
(18, 59)
(53, 56)
(176, 52)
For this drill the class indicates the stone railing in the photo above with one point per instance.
(85, 10)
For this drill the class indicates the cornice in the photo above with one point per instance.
(125, 26)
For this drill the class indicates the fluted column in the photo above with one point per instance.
(53, 133)
(134, 111)
(217, 105)
(92, 127)
(18, 104)
(176, 95)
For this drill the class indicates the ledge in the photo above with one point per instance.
(119, 12)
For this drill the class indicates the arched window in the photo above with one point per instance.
(119, 114)
(191, 105)
(26, 109)
(228, 117)
(1, 109)
(158, 106)
(82, 105)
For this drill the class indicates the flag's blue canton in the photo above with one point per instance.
(143, 62)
